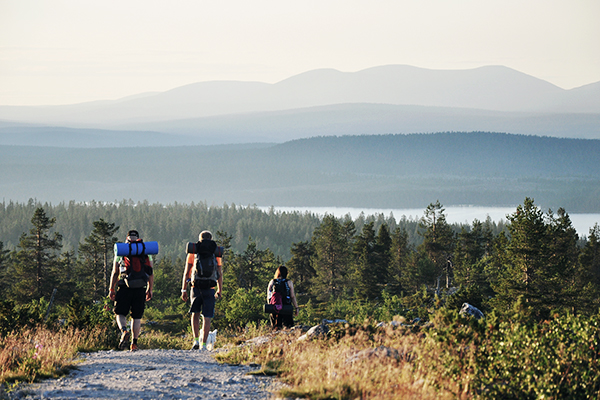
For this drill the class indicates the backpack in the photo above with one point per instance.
(135, 275)
(280, 295)
(205, 272)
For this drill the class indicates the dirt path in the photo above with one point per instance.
(153, 374)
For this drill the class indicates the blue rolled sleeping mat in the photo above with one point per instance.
(136, 248)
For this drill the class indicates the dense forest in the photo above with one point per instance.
(536, 260)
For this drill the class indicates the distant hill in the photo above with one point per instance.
(282, 126)
(371, 171)
(386, 99)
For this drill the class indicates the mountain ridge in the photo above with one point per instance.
(370, 171)
(285, 125)
(495, 88)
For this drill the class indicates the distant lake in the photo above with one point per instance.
(581, 222)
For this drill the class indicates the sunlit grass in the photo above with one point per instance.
(43, 353)
(363, 363)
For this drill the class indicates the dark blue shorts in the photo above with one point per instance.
(203, 300)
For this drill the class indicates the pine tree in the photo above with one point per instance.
(401, 276)
(537, 263)
(252, 269)
(563, 287)
(383, 257)
(299, 266)
(471, 248)
(589, 273)
(364, 279)
(4, 259)
(36, 262)
(438, 242)
(332, 256)
(95, 259)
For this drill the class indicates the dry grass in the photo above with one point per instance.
(364, 363)
(42, 353)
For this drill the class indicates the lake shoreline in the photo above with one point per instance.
(582, 222)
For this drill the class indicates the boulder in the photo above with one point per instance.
(468, 309)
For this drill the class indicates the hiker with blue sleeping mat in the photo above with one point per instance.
(204, 271)
(133, 275)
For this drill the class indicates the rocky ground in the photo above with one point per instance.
(153, 374)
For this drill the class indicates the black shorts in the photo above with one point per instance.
(133, 300)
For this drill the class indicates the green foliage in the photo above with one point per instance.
(241, 308)
(332, 241)
(14, 317)
(36, 270)
(517, 359)
(95, 259)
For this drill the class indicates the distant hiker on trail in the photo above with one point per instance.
(135, 280)
(280, 292)
(204, 271)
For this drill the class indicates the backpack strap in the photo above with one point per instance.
(143, 253)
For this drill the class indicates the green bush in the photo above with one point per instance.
(243, 307)
(515, 359)
(15, 317)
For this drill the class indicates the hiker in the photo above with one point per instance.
(130, 296)
(202, 291)
(282, 288)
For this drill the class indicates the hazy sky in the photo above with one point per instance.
(70, 51)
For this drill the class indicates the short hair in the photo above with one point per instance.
(281, 272)
(205, 235)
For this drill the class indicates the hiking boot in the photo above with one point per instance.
(195, 346)
(124, 343)
(134, 347)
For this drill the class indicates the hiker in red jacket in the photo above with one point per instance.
(134, 277)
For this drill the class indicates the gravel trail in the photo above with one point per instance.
(153, 374)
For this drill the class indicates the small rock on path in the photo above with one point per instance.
(153, 374)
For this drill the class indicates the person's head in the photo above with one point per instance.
(205, 235)
(132, 236)
(281, 272)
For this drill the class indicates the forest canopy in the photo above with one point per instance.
(536, 260)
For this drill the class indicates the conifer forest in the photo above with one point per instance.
(535, 258)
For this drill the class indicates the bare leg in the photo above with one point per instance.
(122, 321)
(136, 326)
(195, 324)
(205, 328)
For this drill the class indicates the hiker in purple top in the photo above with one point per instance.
(280, 292)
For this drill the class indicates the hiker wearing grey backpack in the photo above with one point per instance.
(133, 275)
(204, 271)
(280, 293)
